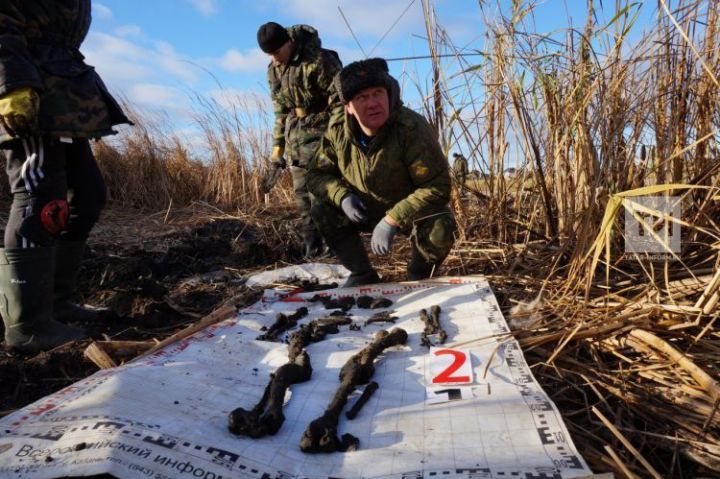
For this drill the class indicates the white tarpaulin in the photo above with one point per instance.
(166, 415)
(322, 273)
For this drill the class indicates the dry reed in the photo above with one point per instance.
(589, 119)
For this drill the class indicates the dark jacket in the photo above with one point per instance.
(39, 48)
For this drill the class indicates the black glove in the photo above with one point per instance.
(267, 182)
(278, 163)
(354, 208)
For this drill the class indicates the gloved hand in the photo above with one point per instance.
(277, 160)
(19, 111)
(354, 208)
(280, 163)
(277, 165)
(382, 237)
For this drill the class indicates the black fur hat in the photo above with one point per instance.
(360, 75)
(271, 36)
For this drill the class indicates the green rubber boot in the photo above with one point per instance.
(68, 256)
(418, 267)
(26, 301)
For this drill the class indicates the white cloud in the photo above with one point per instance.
(252, 60)
(121, 61)
(128, 31)
(110, 46)
(101, 11)
(172, 63)
(116, 59)
(206, 7)
(158, 95)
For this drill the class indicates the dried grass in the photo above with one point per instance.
(626, 347)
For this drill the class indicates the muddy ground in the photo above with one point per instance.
(160, 273)
(164, 272)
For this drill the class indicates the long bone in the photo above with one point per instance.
(321, 433)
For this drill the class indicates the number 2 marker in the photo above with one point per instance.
(444, 373)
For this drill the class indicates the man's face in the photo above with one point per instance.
(371, 108)
(282, 55)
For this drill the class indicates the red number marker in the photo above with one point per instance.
(446, 376)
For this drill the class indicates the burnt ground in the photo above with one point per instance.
(160, 273)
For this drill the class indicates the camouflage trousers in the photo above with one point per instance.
(304, 200)
(300, 146)
(431, 237)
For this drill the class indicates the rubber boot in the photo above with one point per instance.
(68, 256)
(351, 253)
(314, 247)
(418, 267)
(26, 301)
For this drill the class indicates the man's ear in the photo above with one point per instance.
(348, 109)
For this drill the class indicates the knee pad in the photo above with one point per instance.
(42, 222)
(434, 237)
(54, 216)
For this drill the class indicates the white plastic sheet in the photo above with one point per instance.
(166, 415)
(320, 272)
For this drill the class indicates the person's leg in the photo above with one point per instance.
(345, 242)
(313, 244)
(87, 195)
(38, 184)
(432, 239)
(38, 214)
(305, 142)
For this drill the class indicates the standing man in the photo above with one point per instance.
(460, 170)
(51, 102)
(380, 168)
(300, 77)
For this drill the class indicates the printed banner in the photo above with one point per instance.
(166, 415)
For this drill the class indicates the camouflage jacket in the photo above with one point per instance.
(39, 48)
(460, 166)
(402, 173)
(305, 82)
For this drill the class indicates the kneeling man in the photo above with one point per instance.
(380, 169)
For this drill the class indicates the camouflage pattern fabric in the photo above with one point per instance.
(39, 48)
(402, 173)
(460, 169)
(432, 237)
(305, 82)
(303, 200)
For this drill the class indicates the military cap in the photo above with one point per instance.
(360, 75)
(271, 36)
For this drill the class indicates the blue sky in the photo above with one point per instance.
(158, 54)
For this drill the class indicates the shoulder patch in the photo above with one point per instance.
(419, 169)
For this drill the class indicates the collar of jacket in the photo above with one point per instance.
(296, 53)
(306, 42)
